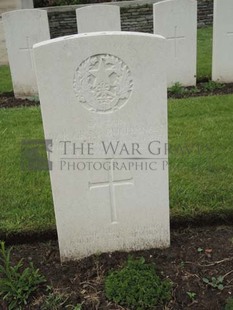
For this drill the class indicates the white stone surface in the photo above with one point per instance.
(98, 17)
(9, 5)
(3, 51)
(222, 62)
(27, 4)
(23, 28)
(176, 20)
(5, 6)
(99, 88)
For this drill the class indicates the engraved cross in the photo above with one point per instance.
(175, 38)
(111, 184)
(29, 49)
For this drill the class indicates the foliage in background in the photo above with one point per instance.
(47, 3)
(229, 304)
(137, 285)
(16, 283)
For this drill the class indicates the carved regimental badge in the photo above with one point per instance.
(103, 83)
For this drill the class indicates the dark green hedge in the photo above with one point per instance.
(44, 3)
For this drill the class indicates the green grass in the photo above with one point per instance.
(204, 53)
(26, 201)
(5, 79)
(204, 60)
(200, 183)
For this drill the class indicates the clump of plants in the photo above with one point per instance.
(17, 284)
(177, 89)
(215, 282)
(212, 85)
(137, 285)
(53, 300)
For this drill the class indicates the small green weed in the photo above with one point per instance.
(35, 98)
(193, 90)
(53, 301)
(17, 284)
(137, 285)
(215, 282)
(77, 307)
(191, 295)
(229, 304)
(212, 85)
(177, 89)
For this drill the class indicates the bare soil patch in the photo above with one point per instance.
(7, 100)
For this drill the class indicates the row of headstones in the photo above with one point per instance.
(8, 5)
(104, 108)
(176, 20)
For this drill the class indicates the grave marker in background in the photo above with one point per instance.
(95, 18)
(222, 62)
(176, 20)
(22, 29)
(104, 105)
(27, 4)
(5, 6)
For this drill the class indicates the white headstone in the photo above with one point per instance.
(98, 91)
(3, 51)
(5, 6)
(9, 5)
(95, 18)
(24, 28)
(176, 20)
(27, 4)
(222, 62)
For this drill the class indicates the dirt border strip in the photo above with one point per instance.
(7, 100)
(31, 237)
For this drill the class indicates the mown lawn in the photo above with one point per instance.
(201, 161)
(204, 53)
(204, 60)
(26, 201)
(201, 169)
(5, 79)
